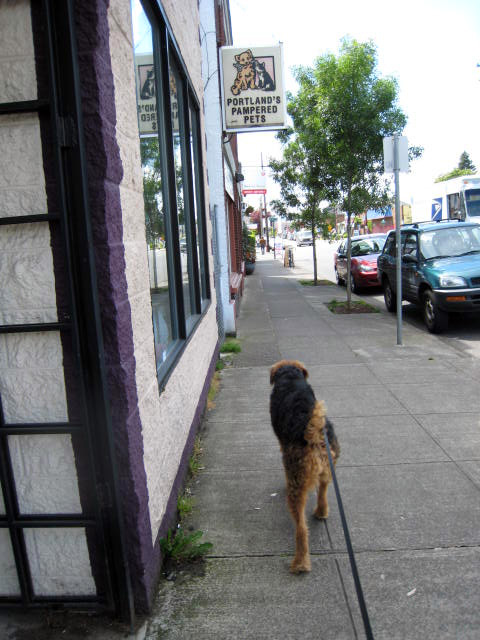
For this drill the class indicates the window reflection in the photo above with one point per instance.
(185, 255)
(196, 202)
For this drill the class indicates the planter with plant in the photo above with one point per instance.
(249, 250)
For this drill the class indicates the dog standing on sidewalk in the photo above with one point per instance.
(298, 421)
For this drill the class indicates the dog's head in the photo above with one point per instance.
(287, 367)
(244, 58)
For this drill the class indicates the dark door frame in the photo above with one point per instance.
(80, 323)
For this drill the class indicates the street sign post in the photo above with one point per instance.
(395, 157)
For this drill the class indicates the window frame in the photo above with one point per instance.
(165, 55)
(407, 237)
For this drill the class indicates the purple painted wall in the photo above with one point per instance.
(105, 173)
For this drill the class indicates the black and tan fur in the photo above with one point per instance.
(298, 420)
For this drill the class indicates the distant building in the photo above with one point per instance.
(374, 220)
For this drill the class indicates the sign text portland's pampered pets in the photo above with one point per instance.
(253, 88)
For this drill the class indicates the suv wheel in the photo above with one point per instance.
(435, 319)
(389, 297)
(338, 279)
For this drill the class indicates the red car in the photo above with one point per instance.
(365, 251)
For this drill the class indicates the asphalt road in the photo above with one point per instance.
(463, 331)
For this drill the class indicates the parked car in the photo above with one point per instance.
(304, 238)
(363, 271)
(440, 269)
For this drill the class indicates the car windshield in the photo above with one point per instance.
(445, 243)
(365, 246)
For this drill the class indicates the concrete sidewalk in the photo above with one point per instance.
(408, 422)
(407, 419)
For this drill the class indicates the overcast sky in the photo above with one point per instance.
(432, 47)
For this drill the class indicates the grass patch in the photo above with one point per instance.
(357, 306)
(231, 345)
(311, 283)
(185, 504)
(183, 549)
(181, 546)
(194, 464)
(214, 387)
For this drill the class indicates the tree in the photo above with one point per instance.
(303, 172)
(465, 163)
(465, 168)
(152, 191)
(356, 109)
(301, 190)
(341, 114)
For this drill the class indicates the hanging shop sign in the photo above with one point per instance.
(251, 190)
(253, 93)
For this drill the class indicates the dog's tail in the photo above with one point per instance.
(314, 433)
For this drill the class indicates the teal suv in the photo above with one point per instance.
(440, 269)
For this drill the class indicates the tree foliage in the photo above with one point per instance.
(334, 148)
(465, 168)
(152, 190)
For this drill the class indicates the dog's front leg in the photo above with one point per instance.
(296, 504)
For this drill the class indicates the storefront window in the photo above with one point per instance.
(176, 104)
(197, 203)
(168, 123)
(153, 183)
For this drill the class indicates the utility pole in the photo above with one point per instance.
(396, 171)
(395, 152)
(265, 207)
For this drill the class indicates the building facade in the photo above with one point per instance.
(108, 329)
(224, 184)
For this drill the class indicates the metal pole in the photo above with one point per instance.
(265, 210)
(396, 170)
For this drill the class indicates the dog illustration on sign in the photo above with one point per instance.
(252, 73)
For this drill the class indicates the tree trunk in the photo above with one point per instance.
(314, 251)
(349, 262)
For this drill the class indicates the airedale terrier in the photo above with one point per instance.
(298, 420)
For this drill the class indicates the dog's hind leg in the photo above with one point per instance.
(321, 512)
(296, 503)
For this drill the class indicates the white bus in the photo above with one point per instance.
(454, 199)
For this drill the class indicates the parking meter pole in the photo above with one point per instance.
(396, 170)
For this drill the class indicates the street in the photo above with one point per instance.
(463, 331)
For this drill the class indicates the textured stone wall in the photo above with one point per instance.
(32, 383)
(167, 418)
